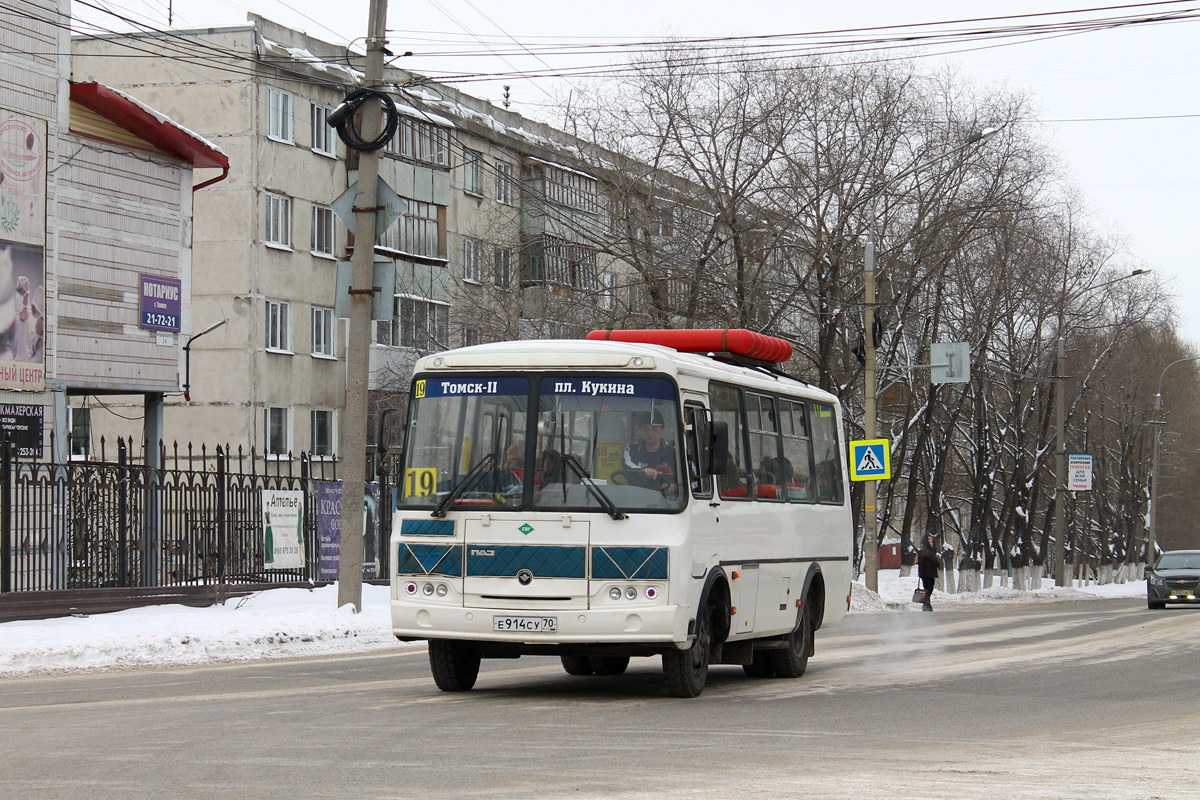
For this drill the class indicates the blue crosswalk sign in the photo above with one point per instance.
(870, 460)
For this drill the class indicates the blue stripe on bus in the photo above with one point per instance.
(544, 561)
(430, 559)
(629, 563)
(427, 527)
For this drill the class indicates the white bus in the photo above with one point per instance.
(666, 495)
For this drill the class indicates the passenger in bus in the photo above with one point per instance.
(551, 468)
(653, 455)
(776, 475)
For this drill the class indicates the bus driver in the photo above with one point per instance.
(653, 455)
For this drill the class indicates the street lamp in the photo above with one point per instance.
(1060, 454)
(1151, 539)
(870, 491)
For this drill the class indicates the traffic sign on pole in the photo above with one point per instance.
(870, 460)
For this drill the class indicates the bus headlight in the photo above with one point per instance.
(615, 593)
(631, 593)
(427, 589)
(442, 590)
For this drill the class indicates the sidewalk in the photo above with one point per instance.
(293, 623)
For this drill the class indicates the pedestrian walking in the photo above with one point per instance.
(927, 570)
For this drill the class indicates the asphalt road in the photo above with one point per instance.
(1092, 700)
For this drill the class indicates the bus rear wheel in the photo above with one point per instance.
(686, 671)
(791, 661)
(454, 664)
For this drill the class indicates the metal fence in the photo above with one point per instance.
(184, 518)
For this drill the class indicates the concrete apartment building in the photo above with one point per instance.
(95, 240)
(490, 246)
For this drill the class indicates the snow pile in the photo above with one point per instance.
(895, 593)
(281, 623)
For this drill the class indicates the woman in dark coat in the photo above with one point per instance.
(927, 570)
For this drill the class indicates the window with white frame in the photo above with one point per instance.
(418, 232)
(421, 141)
(422, 324)
(322, 230)
(324, 138)
(608, 299)
(502, 267)
(554, 260)
(472, 164)
(505, 188)
(472, 256)
(279, 116)
(279, 333)
(80, 420)
(279, 220)
(322, 331)
(277, 428)
(324, 433)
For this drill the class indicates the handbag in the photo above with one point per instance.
(920, 596)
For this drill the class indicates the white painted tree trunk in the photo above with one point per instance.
(905, 570)
(1035, 577)
(1106, 574)
(968, 580)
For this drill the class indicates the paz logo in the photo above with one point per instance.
(526, 529)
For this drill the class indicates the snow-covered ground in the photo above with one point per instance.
(290, 623)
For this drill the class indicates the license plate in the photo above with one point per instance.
(526, 624)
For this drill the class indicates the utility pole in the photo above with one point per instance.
(1060, 465)
(871, 490)
(358, 351)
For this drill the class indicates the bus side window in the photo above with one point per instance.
(770, 482)
(827, 465)
(735, 483)
(697, 423)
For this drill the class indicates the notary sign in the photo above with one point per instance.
(283, 529)
(160, 302)
(1079, 473)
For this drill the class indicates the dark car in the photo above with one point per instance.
(1173, 579)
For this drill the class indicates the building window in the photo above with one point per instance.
(421, 141)
(421, 324)
(278, 326)
(322, 231)
(562, 186)
(324, 433)
(80, 420)
(608, 299)
(505, 191)
(553, 260)
(278, 426)
(472, 163)
(324, 138)
(279, 116)
(418, 232)
(472, 255)
(502, 267)
(279, 220)
(471, 336)
(322, 331)
(635, 298)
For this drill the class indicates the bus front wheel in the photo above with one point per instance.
(687, 670)
(454, 664)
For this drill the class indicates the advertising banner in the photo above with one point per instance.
(283, 529)
(22, 425)
(22, 252)
(329, 528)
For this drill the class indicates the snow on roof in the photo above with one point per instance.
(305, 57)
(164, 119)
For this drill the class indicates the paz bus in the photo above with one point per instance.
(662, 493)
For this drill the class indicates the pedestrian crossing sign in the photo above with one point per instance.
(870, 460)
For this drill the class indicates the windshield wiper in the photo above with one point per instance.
(469, 480)
(601, 498)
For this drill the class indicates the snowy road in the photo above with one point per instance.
(1087, 699)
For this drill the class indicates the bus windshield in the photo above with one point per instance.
(596, 443)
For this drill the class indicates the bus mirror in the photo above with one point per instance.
(719, 454)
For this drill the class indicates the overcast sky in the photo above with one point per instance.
(1139, 177)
